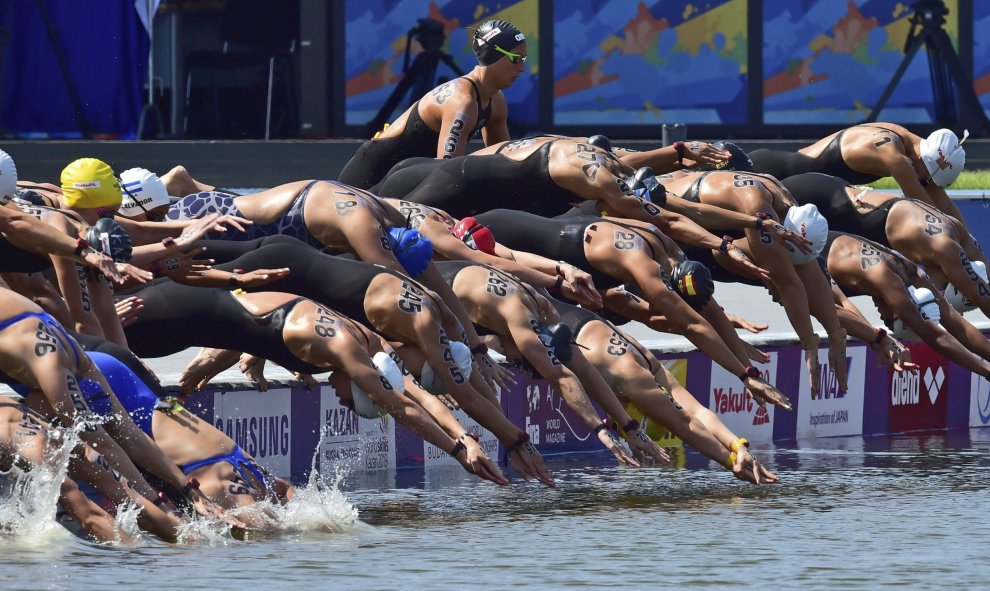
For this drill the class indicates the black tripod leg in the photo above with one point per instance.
(971, 111)
(393, 99)
(911, 52)
(449, 61)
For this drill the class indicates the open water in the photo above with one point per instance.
(905, 512)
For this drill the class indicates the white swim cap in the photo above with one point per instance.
(925, 300)
(142, 191)
(944, 156)
(807, 221)
(462, 358)
(364, 406)
(955, 297)
(8, 177)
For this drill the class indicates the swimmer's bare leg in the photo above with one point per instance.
(180, 183)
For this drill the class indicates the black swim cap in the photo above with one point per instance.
(109, 238)
(693, 282)
(491, 33)
(738, 159)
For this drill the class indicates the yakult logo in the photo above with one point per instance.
(731, 400)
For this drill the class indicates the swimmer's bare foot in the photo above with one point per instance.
(180, 183)
(204, 367)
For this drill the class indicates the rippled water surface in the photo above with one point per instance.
(905, 512)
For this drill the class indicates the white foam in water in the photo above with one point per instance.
(29, 501)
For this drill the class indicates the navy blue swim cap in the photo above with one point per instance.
(495, 33)
(413, 250)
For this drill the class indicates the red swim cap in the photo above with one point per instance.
(475, 235)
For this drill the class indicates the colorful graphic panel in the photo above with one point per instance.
(829, 62)
(981, 52)
(833, 411)
(618, 62)
(376, 33)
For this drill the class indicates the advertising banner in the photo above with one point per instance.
(919, 400)
(829, 62)
(434, 456)
(552, 426)
(730, 401)
(617, 62)
(833, 411)
(348, 441)
(260, 423)
(979, 401)
(375, 51)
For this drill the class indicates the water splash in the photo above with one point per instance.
(29, 497)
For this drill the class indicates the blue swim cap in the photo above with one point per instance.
(413, 250)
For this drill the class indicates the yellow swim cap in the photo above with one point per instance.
(89, 183)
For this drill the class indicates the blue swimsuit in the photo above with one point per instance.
(46, 319)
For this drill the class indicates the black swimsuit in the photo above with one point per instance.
(337, 282)
(828, 194)
(176, 317)
(787, 164)
(470, 185)
(557, 239)
(375, 157)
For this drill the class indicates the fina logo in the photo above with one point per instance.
(933, 382)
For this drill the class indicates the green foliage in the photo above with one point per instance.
(968, 180)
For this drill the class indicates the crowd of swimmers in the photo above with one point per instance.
(405, 274)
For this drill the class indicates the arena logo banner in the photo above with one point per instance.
(833, 412)
(979, 401)
(349, 441)
(919, 400)
(694, 55)
(824, 62)
(375, 49)
(730, 401)
(260, 423)
(434, 456)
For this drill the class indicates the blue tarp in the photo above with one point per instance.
(105, 47)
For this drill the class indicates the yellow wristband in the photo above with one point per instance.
(738, 443)
(730, 461)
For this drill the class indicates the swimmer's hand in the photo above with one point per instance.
(183, 264)
(477, 462)
(615, 446)
(103, 264)
(748, 469)
(204, 367)
(642, 447)
(892, 353)
(579, 286)
(128, 271)
(504, 378)
(128, 310)
(811, 362)
(253, 367)
(736, 254)
(763, 393)
(837, 357)
(793, 238)
(207, 508)
(529, 463)
(755, 354)
(259, 277)
(705, 153)
(740, 322)
(306, 378)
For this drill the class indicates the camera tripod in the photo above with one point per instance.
(945, 68)
(421, 75)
